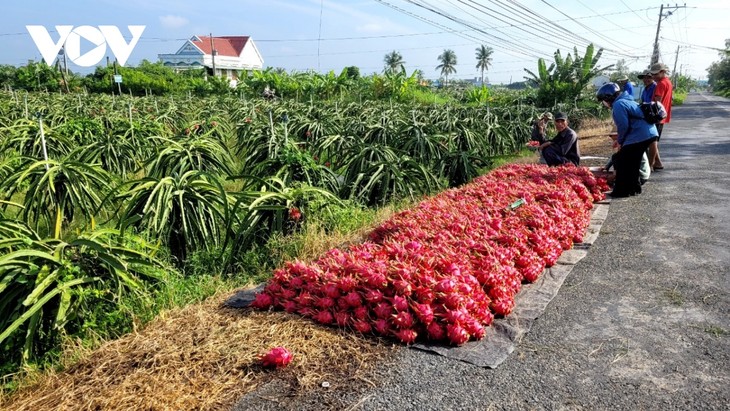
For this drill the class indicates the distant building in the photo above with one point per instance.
(232, 54)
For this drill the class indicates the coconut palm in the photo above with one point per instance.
(484, 59)
(394, 62)
(448, 64)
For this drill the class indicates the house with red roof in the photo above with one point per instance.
(228, 54)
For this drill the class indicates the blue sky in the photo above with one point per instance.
(329, 35)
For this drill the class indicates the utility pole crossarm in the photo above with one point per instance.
(662, 15)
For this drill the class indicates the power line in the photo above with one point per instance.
(692, 45)
(499, 41)
(563, 29)
(603, 17)
(637, 14)
(586, 27)
(452, 31)
(515, 24)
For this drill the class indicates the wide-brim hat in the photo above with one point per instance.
(622, 78)
(657, 67)
(547, 115)
(644, 74)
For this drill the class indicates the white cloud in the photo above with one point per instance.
(173, 22)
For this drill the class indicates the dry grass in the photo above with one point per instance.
(201, 357)
(593, 140)
(317, 240)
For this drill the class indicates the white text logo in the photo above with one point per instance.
(70, 40)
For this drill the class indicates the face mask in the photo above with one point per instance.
(605, 104)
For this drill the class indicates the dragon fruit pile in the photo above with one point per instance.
(444, 269)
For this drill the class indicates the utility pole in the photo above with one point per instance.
(655, 53)
(119, 85)
(212, 52)
(65, 64)
(674, 70)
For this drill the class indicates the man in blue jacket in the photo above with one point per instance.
(647, 95)
(634, 137)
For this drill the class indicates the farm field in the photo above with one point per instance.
(210, 153)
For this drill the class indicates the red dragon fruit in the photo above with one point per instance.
(277, 357)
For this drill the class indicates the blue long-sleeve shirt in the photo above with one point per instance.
(630, 123)
(648, 94)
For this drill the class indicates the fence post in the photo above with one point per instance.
(43, 138)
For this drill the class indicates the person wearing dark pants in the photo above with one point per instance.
(627, 162)
(563, 148)
(634, 135)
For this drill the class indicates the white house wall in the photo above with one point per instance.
(251, 55)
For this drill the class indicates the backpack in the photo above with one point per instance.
(654, 112)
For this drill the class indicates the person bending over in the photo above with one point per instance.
(634, 135)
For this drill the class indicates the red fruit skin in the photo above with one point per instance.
(331, 290)
(424, 312)
(475, 329)
(295, 214)
(361, 313)
(436, 332)
(291, 306)
(381, 326)
(373, 296)
(400, 303)
(325, 303)
(353, 299)
(403, 320)
(377, 281)
(277, 357)
(362, 326)
(347, 284)
(342, 318)
(406, 335)
(445, 286)
(262, 301)
(403, 287)
(457, 334)
(503, 306)
(324, 317)
(296, 282)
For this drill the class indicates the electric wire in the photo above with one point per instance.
(499, 40)
(608, 40)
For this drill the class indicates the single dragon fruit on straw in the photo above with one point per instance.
(277, 357)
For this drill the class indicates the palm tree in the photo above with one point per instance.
(448, 63)
(484, 59)
(394, 62)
